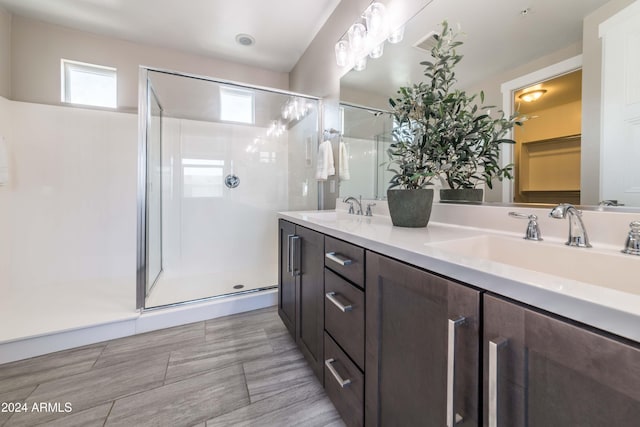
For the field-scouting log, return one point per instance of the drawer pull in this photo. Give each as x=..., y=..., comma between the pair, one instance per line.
x=338, y=258
x=453, y=418
x=495, y=348
x=329, y=364
x=331, y=296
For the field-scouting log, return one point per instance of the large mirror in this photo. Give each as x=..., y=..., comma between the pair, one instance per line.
x=504, y=42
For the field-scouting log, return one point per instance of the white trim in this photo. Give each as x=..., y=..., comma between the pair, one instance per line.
x=618, y=18
x=507, y=89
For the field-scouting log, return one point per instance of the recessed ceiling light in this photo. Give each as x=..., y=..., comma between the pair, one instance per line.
x=532, y=95
x=245, y=40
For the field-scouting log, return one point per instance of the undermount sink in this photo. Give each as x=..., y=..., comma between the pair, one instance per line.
x=610, y=270
x=321, y=216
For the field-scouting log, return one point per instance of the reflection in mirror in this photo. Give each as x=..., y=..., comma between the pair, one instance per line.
x=513, y=40
x=366, y=134
x=547, y=149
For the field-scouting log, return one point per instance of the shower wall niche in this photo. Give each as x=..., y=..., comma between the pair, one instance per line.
x=229, y=157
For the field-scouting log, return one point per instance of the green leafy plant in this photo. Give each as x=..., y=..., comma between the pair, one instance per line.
x=441, y=132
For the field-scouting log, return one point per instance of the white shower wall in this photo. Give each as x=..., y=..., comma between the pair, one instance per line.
x=67, y=221
x=362, y=168
x=216, y=237
x=5, y=196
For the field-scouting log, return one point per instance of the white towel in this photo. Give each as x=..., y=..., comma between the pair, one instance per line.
x=325, y=167
x=343, y=162
x=4, y=162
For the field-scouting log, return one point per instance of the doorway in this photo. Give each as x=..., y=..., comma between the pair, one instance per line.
x=546, y=155
x=547, y=149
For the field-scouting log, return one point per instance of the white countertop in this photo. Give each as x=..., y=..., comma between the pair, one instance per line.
x=608, y=309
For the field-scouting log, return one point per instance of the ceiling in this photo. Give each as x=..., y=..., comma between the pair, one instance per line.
x=283, y=29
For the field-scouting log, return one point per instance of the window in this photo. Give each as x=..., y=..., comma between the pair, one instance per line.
x=236, y=105
x=88, y=84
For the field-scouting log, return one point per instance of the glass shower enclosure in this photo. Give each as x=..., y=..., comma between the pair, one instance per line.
x=217, y=160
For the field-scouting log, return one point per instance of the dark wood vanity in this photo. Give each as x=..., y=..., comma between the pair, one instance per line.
x=395, y=344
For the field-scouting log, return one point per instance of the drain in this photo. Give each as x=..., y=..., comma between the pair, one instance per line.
x=238, y=287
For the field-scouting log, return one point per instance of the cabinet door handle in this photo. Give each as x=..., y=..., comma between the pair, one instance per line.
x=452, y=417
x=295, y=255
x=495, y=347
x=329, y=364
x=338, y=258
x=331, y=296
x=290, y=254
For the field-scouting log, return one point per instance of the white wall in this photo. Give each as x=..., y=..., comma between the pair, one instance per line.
x=38, y=47
x=69, y=215
x=5, y=53
x=6, y=195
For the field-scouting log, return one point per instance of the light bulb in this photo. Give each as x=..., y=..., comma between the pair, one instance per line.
x=361, y=63
x=377, y=51
x=376, y=19
x=357, y=38
x=342, y=53
x=397, y=35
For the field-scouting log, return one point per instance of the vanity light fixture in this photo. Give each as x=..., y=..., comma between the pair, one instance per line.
x=366, y=38
x=532, y=95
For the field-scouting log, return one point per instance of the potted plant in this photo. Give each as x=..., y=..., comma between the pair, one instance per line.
x=413, y=168
x=442, y=131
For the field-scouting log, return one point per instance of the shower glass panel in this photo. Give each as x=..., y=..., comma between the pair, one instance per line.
x=231, y=157
x=367, y=136
x=154, y=191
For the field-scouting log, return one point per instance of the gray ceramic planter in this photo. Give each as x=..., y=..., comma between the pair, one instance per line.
x=410, y=208
x=473, y=195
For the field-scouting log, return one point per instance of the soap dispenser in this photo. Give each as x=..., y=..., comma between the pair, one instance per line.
x=632, y=245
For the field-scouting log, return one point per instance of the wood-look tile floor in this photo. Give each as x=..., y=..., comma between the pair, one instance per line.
x=240, y=370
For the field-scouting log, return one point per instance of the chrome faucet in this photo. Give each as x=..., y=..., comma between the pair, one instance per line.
x=632, y=245
x=533, y=230
x=577, y=233
x=352, y=200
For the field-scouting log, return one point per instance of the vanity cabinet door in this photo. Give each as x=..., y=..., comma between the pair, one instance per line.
x=541, y=371
x=422, y=347
x=310, y=297
x=286, y=276
x=301, y=290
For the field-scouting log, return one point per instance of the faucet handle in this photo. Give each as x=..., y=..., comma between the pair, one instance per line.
x=351, y=207
x=533, y=230
x=368, y=212
x=632, y=245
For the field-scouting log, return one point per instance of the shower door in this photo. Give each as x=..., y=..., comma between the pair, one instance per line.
x=154, y=192
x=227, y=159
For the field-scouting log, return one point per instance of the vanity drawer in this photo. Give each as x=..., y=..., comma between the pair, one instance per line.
x=344, y=315
x=345, y=259
x=343, y=383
